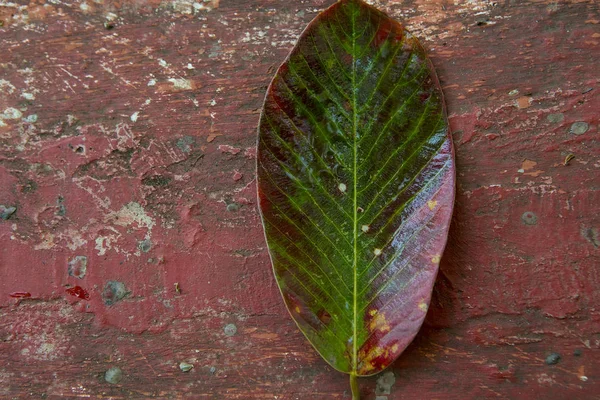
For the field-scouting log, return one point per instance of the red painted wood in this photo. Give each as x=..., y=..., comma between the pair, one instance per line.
x=129, y=155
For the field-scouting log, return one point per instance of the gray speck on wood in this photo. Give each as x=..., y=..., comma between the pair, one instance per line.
x=185, y=143
x=529, y=218
x=185, y=367
x=230, y=330
x=553, y=358
x=591, y=235
x=77, y=267
x=579, y=128
x=555, y=118
x=233, y=207
x=6, y=212
x=385, y=383
x=60, y=203
x=113, y=292
x=113, y=375
x=145, y=245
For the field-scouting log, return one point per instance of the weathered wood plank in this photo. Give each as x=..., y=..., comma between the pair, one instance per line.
x=127, y=136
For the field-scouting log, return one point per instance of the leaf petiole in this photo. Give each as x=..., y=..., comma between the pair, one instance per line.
x=354, y=387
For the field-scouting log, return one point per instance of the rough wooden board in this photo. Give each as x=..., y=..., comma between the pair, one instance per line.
x=167, y=196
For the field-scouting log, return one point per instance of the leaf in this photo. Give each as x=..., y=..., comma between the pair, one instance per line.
x=356, y=185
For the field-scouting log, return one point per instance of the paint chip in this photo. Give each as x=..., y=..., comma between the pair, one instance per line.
x=524, y=102
x=181, y=83
x=134, y=116
x=11, y=113
x=342, y=187
x=185, y=367
x=431, y=204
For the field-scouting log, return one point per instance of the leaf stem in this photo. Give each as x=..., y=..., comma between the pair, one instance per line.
x=354, y=387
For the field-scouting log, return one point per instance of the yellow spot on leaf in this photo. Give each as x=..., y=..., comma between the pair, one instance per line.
x=342, y=187
x=379, y=323
x=435, y=259
x=377, y=252
x=431, y=204
x=297, y=309
x=365, y=228
x=423, y=306
x=395, y=348
x=372, y=312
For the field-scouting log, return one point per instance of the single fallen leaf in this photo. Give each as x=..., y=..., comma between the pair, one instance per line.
x=356, y=185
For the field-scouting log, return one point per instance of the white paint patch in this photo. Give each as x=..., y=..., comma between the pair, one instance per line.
x=132, y=213
x=11, y=113
x=151, y=82
x=384, y=385
x=190, y=66
x=6, y=86
x=47, y=242
x=32, y=119
x=162, y=63
x=74, y=239
x=134, y=116
x=181, y=83
x=104, y=243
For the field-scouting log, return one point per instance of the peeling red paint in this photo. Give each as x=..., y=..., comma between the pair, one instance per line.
x=78, y=292
x=507, y=295
x=20, y=295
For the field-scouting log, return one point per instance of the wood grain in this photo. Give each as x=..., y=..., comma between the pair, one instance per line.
x=127, y=136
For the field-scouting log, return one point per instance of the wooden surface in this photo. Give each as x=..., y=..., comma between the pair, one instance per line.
x=127, y=143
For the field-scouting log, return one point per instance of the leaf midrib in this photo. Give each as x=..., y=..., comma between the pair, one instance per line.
x=355, y=205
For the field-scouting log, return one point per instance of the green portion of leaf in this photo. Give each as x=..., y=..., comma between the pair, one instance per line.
x=356, y=185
